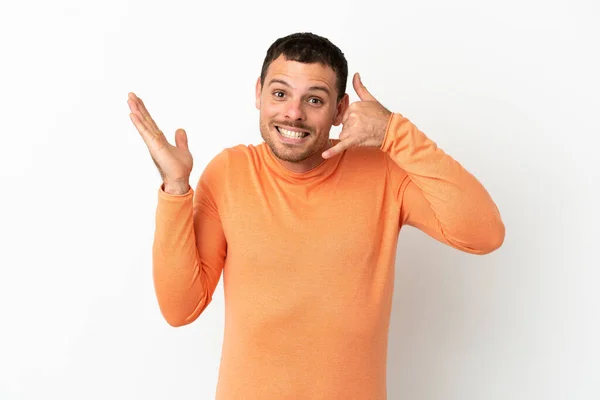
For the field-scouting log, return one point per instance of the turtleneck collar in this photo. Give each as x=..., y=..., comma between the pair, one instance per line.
x=321, y=171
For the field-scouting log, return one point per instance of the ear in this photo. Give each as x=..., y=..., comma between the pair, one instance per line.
x=258, y=92
x=341, y=109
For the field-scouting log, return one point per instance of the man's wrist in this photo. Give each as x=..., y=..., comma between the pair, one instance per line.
x=176, y=188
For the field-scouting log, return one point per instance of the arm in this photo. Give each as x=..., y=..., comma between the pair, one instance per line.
x=189, y=250
x=189, y=246
x=438, y=195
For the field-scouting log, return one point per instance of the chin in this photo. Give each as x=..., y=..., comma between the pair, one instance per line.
x=294, y=155
x=293, y=148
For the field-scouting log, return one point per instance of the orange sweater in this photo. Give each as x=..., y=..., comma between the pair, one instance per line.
x=308, y=258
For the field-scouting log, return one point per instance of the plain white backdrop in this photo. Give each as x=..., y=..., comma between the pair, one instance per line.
x=509, y=88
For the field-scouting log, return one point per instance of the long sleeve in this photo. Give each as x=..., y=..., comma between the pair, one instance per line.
x=189, y=250
x=438, y=195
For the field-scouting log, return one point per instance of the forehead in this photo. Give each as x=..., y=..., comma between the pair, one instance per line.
x=300, y=74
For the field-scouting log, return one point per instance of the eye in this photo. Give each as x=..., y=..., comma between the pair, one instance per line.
x=315, y=100
x=279, y=94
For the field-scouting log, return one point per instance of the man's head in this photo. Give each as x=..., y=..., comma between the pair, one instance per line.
x=301, y=88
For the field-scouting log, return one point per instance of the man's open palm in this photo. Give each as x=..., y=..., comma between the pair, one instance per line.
x=173, y=162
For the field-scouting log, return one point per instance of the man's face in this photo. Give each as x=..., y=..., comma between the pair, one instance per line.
x=298, y=105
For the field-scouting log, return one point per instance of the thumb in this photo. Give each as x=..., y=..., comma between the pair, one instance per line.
x=181, y=140
x=361, y=90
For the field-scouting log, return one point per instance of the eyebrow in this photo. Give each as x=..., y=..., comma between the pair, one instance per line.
x=321, y=88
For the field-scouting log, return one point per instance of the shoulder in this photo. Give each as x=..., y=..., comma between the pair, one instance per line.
x=364, y=156
x=372, y=160
x=231, y=160
x=239, y=153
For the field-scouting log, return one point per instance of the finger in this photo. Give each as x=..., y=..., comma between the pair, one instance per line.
x=143, y=111
x=149, y=135
x=181, y=140
x=344, y=133
x=147, y=116
x=337, y=149
x=361, y=90
x=134, y=103
x=134, y=107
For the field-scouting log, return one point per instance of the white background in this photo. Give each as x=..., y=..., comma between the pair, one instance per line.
x=509, y=88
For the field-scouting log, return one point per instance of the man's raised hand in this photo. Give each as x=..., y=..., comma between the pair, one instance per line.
x=364, y=122
x=174, y=163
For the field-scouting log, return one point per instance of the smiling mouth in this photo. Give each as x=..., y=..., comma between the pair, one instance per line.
x=291, y=134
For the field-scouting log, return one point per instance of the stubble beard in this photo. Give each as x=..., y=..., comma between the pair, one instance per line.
x=291, y=153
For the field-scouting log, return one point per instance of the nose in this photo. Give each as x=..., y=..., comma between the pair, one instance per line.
x=294, y=110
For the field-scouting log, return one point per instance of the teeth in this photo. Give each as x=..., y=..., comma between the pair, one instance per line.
x=291, y=134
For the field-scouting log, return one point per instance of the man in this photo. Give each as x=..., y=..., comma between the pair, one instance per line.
x=304, y=228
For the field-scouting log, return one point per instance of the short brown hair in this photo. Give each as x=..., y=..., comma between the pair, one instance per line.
x=308, y=48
